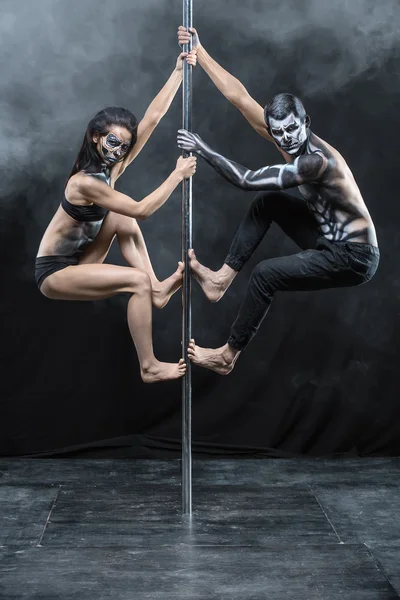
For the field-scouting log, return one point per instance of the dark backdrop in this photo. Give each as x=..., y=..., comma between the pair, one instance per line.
x=321, y=377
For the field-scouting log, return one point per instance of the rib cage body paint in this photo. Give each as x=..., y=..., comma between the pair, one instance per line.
x=80, y=236
x=332, y=205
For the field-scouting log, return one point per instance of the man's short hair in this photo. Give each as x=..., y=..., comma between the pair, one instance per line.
x=282, y=105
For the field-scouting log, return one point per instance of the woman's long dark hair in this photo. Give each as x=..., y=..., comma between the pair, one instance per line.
x=88, y=158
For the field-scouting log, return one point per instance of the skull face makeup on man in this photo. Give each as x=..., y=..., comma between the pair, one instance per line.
x=290, y=133
x=287, y=122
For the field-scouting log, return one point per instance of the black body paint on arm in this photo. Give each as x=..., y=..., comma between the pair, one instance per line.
x=276, y=177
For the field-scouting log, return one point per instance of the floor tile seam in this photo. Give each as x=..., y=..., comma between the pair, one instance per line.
x=107, y=484
x=186, y=539
x=30, y=484
x=181, y=545
x=49, y=515
x=174, y=487
x=303, y=459
x=138, y=549
x=380, y=566
x=356, y=483
x=326, y=515
x=196, y=485
x=346, y=485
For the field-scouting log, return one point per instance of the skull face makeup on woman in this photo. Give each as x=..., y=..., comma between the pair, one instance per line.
x=114, y=145
x=287, y=122
x=113, y=148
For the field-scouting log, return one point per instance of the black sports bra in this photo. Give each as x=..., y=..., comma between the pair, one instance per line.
x=88, y=213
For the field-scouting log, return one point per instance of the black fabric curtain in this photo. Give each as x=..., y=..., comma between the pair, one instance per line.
x=321, y=377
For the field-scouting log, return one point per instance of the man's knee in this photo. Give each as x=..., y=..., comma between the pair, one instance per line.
x=262, y=280
x=265, y=202
x=260, y=272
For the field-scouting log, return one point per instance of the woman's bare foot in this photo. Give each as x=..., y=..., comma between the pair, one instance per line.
x=221, y=360
x=160, y=371
x=212, y=283
x=168, y=287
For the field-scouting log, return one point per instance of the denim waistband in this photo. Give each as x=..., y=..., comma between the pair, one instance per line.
x=367, y=248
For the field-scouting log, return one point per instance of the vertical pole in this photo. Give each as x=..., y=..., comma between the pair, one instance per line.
x=186, y=291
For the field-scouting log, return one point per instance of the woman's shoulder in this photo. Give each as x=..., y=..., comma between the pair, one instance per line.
x=79, y=186
x=84, y=179
x=73, y=184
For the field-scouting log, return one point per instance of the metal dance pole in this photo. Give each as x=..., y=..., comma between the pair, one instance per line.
x=186, y=290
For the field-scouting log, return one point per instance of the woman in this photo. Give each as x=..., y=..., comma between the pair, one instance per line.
x=69, y=263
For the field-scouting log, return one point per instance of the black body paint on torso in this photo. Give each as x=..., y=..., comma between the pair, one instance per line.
x=87, y=221
x=331, y=206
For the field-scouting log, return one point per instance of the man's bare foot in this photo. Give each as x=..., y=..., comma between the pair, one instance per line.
x=221, y=360
x=212, y=284
x=160, y=371
x=168, y=287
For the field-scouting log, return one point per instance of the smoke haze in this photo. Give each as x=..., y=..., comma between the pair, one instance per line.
x=329, y=43
x=61, y=61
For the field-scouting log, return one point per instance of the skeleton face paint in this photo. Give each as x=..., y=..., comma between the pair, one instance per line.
x=289, y=133
x=113, y=149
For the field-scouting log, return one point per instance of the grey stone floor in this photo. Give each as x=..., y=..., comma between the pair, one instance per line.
x=261, y=529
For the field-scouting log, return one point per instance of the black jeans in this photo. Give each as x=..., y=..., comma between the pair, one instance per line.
x=321, y=264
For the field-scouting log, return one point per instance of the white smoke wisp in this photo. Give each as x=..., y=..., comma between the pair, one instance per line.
x=63, y=61
x=329, y=43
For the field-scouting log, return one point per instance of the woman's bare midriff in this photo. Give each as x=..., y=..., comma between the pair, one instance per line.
x=65, y=236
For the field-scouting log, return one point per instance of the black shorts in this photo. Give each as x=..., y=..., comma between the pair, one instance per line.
x=46, y=265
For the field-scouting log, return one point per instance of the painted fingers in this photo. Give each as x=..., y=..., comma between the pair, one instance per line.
x=188, y=141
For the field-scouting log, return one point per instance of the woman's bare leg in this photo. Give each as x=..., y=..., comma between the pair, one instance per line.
x=99, y=248
x=99, y=281
x=134, y=250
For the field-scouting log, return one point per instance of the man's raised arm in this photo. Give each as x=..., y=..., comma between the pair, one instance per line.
x=228, y=85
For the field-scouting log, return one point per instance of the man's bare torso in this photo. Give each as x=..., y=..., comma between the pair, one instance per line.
x=335, y=199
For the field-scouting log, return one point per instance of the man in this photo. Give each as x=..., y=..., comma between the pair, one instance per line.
x=332, y=225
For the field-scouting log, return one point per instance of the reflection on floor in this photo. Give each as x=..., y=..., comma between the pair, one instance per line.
x=261, y=529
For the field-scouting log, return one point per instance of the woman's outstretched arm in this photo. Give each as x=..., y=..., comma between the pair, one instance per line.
x=158, y=108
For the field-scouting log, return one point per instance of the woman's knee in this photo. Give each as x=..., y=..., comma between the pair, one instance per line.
x=140, y=281
x=48, y=289
x=126, y=225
